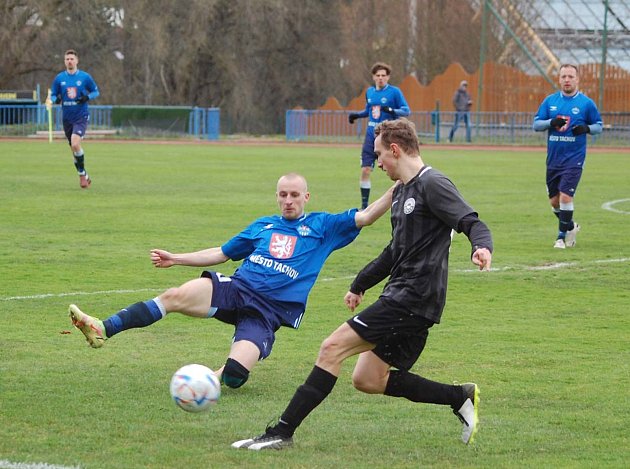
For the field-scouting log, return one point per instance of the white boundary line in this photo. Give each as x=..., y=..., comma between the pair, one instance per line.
x=512, y=268
x=4, y=464
x=609, y=206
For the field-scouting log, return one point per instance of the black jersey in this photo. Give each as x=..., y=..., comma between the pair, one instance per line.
x=424, y=213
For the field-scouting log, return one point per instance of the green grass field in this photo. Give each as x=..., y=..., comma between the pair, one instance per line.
x=545, y=335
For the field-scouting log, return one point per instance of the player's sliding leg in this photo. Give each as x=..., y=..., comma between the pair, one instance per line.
x=192, y=299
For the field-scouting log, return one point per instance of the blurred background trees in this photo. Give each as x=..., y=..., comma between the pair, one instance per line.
x=252, y=58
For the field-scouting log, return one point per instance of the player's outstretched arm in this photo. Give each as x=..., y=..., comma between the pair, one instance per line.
x=375, y=210
x=207, y=257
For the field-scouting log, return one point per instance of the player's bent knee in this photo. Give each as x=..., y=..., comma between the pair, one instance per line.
x=366, y=386
x=234, y=374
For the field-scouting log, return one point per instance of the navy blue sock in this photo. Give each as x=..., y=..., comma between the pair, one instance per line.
x=566, y=221
x=365, y=197
x=136, y=315
x=79, y=163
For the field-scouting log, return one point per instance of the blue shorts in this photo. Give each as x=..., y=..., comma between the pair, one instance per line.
x=563, y=180
x=368, y=157
x=253, y=317
x=78, y=128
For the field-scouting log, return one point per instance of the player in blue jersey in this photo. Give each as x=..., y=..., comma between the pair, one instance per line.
x=73, y=89
x=568, y=116
x=383, y=102
x=282, y=257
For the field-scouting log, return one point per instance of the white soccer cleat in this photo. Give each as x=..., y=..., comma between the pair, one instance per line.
x=569, y=239
x=271, y=439
x=559, y=244
x=468, y=413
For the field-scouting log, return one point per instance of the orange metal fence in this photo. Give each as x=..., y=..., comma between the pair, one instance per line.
x=505, y=89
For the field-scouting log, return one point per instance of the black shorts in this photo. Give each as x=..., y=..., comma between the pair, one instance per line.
x=399, y=336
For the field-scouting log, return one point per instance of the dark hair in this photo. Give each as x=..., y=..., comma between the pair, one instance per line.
x=71, y=52
x=381, y=66
x=401, y=132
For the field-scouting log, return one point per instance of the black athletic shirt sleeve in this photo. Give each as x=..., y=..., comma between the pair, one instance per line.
x=374, y=272
x=476, y=231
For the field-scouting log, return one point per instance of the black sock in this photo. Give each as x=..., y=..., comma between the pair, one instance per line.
x=419, y=389
x=566, y=221
x=308, y=396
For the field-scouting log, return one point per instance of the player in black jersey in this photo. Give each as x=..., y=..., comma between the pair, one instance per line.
x=391, y=333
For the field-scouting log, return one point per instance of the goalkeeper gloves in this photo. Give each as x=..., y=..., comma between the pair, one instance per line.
x=83, y=99
x=580, y=129
x=352, y=117
x=387, y=109
x=558, y=122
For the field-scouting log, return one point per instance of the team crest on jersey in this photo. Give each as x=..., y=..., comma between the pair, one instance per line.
x=282, y=246
x=409, y=205
x=575, y=110
x=566, y=126
x=304, y=230
x=71, y=92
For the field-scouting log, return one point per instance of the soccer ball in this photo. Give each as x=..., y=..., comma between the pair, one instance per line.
x=195, y=388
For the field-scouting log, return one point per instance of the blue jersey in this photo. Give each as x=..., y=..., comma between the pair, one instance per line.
x=71, y=87
x=387, y=96
x=564, y=150
x=284, y=257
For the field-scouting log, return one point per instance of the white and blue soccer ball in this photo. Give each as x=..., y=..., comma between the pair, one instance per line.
x=195, y=388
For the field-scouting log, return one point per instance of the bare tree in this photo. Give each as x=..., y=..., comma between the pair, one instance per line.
x=252, y=58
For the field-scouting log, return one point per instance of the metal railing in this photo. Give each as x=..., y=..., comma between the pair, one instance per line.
x=27, y=120
x=487, y=128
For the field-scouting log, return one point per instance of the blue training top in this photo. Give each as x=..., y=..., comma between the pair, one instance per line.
x=564, y=150
x=388, y=96
x=71, y=86
x=284, y=257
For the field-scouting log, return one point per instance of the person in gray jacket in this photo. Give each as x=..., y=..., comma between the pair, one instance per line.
x=462, y=102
